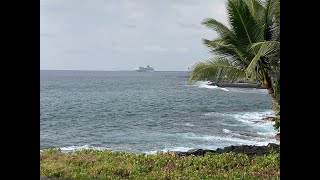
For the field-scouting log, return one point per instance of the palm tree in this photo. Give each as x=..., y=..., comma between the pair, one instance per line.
x=248, y=49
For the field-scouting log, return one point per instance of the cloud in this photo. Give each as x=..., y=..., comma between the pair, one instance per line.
x=136, y=14
x=120, y=49
x=189, y=26
x=73, y=31
x=46, y=35
x=155, y=48
x=182, y=50
x=76, y=51
x=130, y=25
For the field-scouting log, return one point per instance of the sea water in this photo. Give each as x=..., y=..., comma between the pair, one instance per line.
x=146, y=112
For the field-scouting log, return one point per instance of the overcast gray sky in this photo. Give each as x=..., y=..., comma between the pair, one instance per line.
x=125, y=34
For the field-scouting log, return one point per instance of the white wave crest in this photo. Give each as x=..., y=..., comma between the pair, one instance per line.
x=250, y=116
x=78, y=148
x=188, y=124
x=230, y=139
x=226, y=131
x=216, y=113
x=254, y=119
x=224, y=89
x=150, y=152
x=205, y=84
x=249, y=90
x=253, y=135
x=267, y=134
x=184, y=124
x=178, y=148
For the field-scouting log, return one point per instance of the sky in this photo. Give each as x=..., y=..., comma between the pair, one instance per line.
x=113, y=35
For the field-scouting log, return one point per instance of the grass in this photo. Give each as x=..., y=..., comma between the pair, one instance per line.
x=96, y=164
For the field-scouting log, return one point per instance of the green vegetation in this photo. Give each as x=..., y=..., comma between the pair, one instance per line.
x=248, y=50
x=95, y=164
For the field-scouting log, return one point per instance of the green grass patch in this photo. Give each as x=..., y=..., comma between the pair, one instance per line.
x=96, y=164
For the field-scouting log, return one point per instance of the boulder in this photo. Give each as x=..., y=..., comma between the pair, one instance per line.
x=195, y=152
x=268, y=118
x=273, y=146
x=249, y=150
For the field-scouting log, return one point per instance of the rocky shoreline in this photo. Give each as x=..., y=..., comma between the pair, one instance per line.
x=277, y=137
x=237, y=85
x=250, y=150
x=270, y=118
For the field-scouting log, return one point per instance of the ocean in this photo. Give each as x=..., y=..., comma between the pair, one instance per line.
x=146, y=112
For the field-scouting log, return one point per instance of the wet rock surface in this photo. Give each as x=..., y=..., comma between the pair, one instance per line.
x=249, y=150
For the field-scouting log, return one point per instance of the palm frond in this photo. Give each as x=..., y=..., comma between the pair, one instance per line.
x=213, y=24
x=213, y=43
x=265, y=48
x=272, y=10
x=244, y=25
x=219, y=47
x=215, y=69
x=256, y=8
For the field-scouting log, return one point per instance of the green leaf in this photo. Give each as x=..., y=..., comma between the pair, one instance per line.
x=264, y=49
x=216, y=68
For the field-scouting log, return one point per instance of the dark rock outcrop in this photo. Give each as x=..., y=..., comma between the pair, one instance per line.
x=278, y=137
x=240, y=85
x=195, y=152
x=268, y=118
x=249, y=150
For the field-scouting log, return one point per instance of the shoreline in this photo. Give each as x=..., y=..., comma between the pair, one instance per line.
x=237, y=85
x=191, y=150
x=250, y=150
x=244, y=149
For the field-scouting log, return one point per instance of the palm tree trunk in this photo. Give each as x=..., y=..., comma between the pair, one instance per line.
x=268, y=84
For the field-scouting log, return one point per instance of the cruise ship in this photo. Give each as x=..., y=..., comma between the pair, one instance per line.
x=145, y=69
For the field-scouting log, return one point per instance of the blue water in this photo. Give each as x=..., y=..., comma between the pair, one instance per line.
x=146, y=112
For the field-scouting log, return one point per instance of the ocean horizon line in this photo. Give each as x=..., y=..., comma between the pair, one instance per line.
x=109, y=70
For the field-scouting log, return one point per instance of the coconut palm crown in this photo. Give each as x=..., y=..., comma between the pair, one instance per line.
x=249, y=49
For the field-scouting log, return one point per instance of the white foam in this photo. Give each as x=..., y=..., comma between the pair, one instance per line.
x=224, y=89
x=184, y=124
x=205, y=84
x=78, y=148
x=233, y=125
x=232, y=140
x=188, y=124
x=216, y=113
x=249, y=90
x=226, y=131
x=208, y=86
x=150, y=152
x=267, y=134
x=177, y=149
x=252, y=117
x=257, y=136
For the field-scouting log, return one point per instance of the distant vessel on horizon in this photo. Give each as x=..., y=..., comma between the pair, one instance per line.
x=145, y=69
